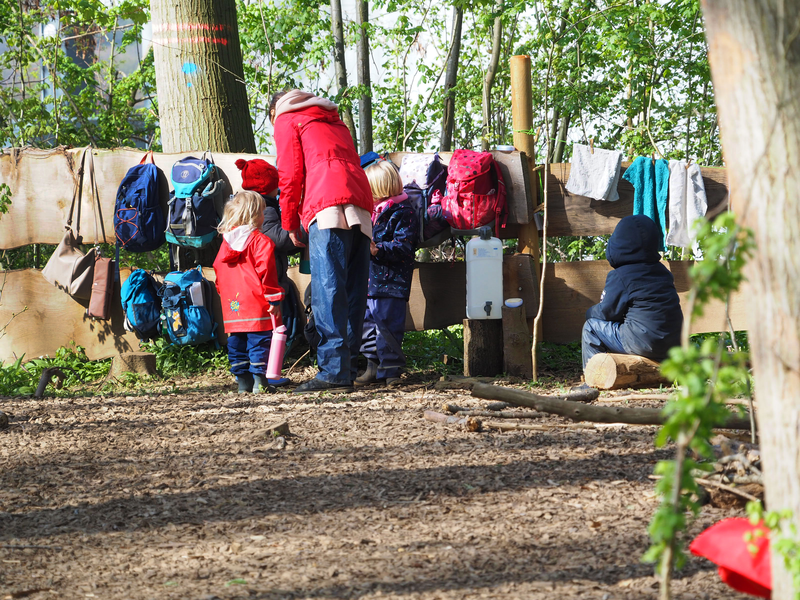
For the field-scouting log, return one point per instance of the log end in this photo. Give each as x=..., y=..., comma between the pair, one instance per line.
x=143, y=363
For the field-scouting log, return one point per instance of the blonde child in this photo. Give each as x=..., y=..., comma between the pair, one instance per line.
x=248, y=287
x=394, y=234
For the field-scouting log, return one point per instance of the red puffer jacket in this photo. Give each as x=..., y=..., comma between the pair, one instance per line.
x=247, y=282
x=318, y=166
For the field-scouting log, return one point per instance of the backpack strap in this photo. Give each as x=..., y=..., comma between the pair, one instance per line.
x=144, y=158
x=502, y=210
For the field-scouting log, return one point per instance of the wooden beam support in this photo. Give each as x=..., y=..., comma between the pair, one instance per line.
x=483, y=347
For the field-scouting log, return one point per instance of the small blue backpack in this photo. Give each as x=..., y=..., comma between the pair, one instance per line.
x=141, y=304
x=139, y=222
x=193, y=218
x=186, y=315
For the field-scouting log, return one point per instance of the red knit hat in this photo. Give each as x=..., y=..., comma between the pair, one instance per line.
x=258, y=175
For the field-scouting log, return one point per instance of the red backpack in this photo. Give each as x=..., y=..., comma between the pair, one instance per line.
x=476, y=192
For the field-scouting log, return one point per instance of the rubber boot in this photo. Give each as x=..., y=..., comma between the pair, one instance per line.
x=245, y=383
x=368, y=376
x=260, y=384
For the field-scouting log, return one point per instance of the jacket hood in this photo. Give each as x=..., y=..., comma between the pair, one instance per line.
x=237, y=240
x=295, y=100
x=636, y=239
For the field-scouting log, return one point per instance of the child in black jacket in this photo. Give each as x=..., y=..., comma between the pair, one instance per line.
x=639, y=311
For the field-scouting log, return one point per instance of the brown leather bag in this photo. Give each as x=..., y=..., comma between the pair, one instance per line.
x=69, y=269
x=102, y=287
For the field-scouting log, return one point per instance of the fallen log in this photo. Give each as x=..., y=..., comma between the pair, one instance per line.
x=615, y=371
x=468, y=423
x=561, y=405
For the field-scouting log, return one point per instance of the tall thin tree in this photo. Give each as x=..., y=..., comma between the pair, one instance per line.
x=337, y=24
x=364, y=79
x=450, y=79
x=202, y=99
x=491, y=72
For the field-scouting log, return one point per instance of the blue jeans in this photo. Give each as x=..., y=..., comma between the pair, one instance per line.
x=339, y=261
x=249, y=352
x=600, y=336
x=384, y=326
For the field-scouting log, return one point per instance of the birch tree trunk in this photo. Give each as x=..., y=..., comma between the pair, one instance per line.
x=488, y=80
x=450, y=79
x=364, y=79
x=202, y=99
x=340, y=66
x=754, y=52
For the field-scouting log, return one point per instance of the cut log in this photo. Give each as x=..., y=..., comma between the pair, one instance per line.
x=615, y=371
x=3, y=420
x=483, y=347
x=578, y=411
x=143, y=363
x=517, y=359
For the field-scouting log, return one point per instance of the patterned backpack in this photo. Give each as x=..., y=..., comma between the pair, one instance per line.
x=476, y=192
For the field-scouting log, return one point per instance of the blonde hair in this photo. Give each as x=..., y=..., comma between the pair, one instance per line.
x=384, y=180
x=245, y=208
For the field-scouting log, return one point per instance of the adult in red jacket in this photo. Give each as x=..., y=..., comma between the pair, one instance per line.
x=324, y=187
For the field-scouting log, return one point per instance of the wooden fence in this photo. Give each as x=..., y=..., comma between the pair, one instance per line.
x=42, y=184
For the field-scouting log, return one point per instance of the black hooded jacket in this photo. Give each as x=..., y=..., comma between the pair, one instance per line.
x=640, y=291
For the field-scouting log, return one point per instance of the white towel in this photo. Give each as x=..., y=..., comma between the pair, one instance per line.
x=595, y=175
x=687, y=202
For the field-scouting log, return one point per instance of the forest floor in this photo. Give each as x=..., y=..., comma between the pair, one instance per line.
x=177, y=492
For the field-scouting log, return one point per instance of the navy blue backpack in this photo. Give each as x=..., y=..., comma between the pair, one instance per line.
x=141, y=304
x=139, y=222
x=186, y=314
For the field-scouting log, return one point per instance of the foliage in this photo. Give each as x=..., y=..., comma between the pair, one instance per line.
x=181, y=360
x=424, y=349
x=783, y=538
x=65, y=86
x=707, y=374
x=17, y=379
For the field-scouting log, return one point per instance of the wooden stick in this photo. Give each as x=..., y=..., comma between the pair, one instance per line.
x=527, y=427
x=504, y=414
x=635, y=397
x=469, y=423
x=25, y=547
x=582, y=412
x=722, y=486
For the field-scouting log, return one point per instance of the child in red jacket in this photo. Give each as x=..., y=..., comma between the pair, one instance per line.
x=248, y=287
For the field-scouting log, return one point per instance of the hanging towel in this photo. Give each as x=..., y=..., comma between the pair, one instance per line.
x=687, y=202
x=595, y=175
x=650, y=189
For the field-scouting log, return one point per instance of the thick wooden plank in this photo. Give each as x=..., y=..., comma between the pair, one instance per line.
x=568, y=214
x=438, y=298
x=54, y=319
x=42, y=183
x=517, y=177
x=571, y=288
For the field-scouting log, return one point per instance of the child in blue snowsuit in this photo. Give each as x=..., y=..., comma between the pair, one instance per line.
x=639, y=311
x=394, y=234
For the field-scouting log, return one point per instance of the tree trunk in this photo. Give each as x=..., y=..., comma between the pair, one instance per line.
x=483, y=347
x=488, y=80
x=364, y=79
x=561, y=141
x=202, y=99
x=340, y=66
x=450, y=79
x=754, y=52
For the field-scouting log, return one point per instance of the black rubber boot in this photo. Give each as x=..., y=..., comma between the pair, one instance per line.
x=245, y=383
x=368, y=376
x=260, y=384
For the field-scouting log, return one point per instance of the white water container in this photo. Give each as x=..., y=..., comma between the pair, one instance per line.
x=485, y=276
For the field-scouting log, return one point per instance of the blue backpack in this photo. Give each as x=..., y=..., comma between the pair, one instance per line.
x=186, y=315
x=193, y=218
x=139, y=222
x=141, y=304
